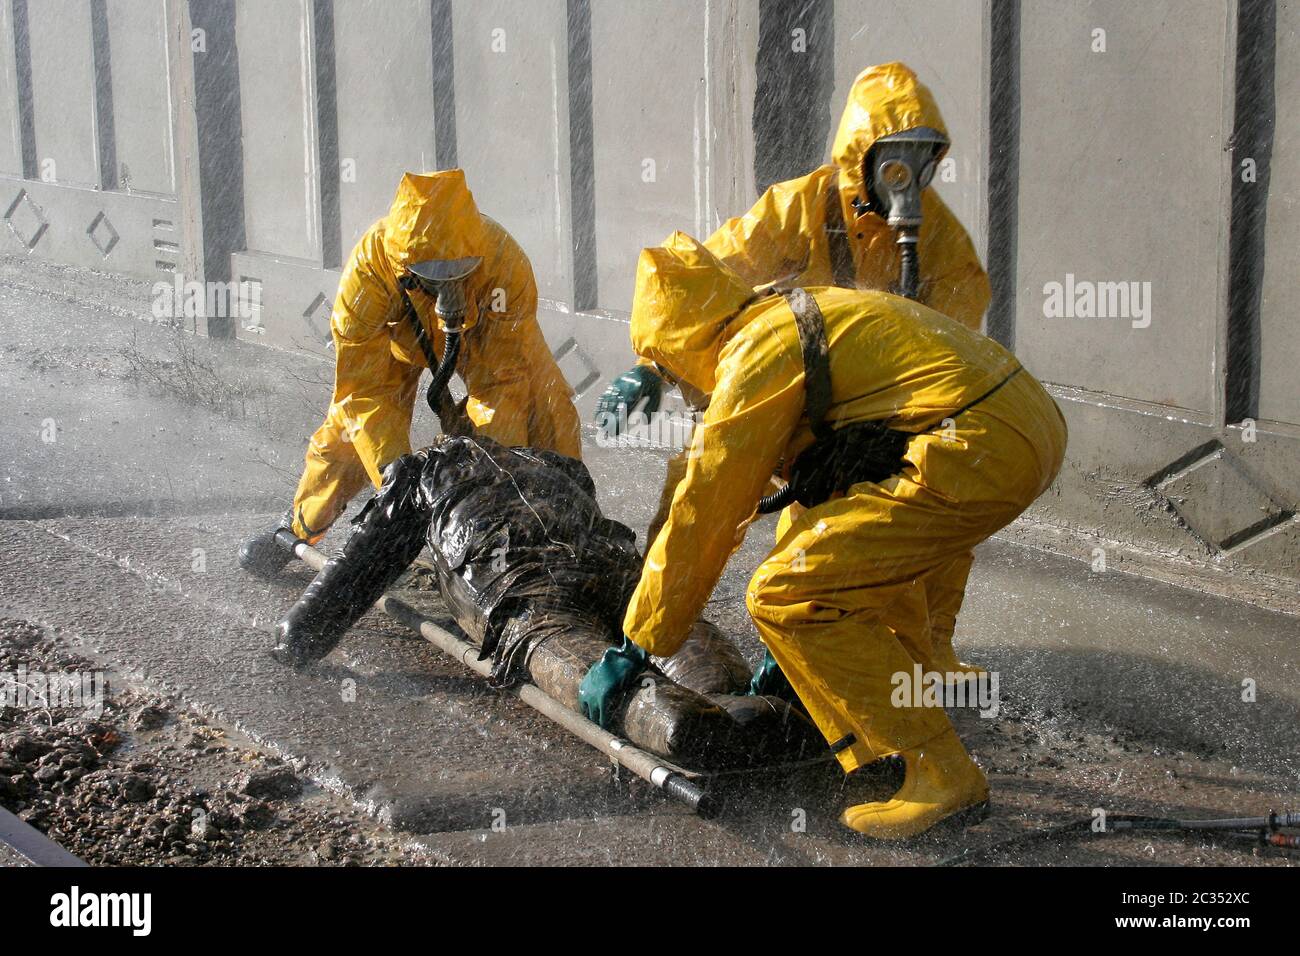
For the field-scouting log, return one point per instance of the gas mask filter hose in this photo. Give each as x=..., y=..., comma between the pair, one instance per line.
x=443, y=367
x=442, y=374
x=445, y=280
x=909, y=270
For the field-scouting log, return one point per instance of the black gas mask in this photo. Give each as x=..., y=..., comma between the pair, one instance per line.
x=897, y=169
x=447, y=282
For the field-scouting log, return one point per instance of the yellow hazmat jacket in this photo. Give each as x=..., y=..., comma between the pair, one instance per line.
x=517, y=394
x=891, y=360
x=784, y=233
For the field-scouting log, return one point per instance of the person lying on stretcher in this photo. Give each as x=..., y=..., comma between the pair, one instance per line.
x=539, y=579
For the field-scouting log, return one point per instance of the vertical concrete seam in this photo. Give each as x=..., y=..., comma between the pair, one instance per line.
x=582, y=164
x=327, y=134
x=1254, y=112
x=444, y=84
x=792, y=89
x=26, y=103
x=102, y=61
x=1003, y=152
x=184, y=158
x=218, y=110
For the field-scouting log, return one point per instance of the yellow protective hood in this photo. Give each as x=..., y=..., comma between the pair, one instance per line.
x=884, y=100
x=433, y=216
x=683, y=308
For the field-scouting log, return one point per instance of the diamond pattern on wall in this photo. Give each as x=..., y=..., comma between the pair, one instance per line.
x=26, y=220
x=590, y=374
x=317, y=319
x=102, y=234
x=1218, y=498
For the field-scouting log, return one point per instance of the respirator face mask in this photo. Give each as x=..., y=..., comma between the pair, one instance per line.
x=447, y=282
x=897, y=170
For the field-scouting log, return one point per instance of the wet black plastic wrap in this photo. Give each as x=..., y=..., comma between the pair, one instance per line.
x=387, y=536
x=539, y=579
x=521, y=546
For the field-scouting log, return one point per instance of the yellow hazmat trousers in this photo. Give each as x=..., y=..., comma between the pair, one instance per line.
x=850, y=594
x=517, y=394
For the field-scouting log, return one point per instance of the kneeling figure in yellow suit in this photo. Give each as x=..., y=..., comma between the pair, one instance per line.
x=385, y=334
x=842, y=601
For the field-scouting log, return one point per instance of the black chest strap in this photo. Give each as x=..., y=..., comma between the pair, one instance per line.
x=837, y=458
x=810, y=322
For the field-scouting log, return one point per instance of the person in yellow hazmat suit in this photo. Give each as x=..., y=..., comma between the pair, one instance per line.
x=835, y=226
x=385, y=334
x=832, y=226
x=909, y=439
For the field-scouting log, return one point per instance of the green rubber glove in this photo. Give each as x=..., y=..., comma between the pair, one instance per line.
x=616, y=671
x=641, y=383
x=770, y=681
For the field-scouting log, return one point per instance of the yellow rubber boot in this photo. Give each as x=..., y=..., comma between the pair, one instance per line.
x=941, y=781
x=945, y=589
x=953, y=670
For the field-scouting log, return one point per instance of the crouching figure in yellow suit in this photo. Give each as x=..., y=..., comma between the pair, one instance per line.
x=516, y=392
x=832, y=227
x=929, y=438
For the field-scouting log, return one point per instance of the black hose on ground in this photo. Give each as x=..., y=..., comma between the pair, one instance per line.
x=1262, y=830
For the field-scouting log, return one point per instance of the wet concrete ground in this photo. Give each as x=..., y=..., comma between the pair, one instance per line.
x=119, y=535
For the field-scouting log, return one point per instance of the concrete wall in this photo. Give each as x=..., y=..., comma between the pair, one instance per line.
x=63, y=90
x=1279, y=398
x=1094, y=141
x=142, y=123
x=512, y=126
x=281, y=169
x=74, y=124
x=1126, y=176
x=654, y=140
x=1102, y=121
x=384, y=52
